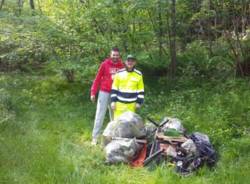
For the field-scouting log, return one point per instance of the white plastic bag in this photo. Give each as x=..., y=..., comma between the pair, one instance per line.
x=121, y=151
x=128, y=125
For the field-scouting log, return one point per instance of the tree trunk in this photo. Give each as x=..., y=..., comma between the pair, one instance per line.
x=32, y=5
x=172, y=34
x=237, y=58
x=210, y=32
x=160, y=31
x=70, y=75
x=1, y=5
x=20, y=6
x=39, y=6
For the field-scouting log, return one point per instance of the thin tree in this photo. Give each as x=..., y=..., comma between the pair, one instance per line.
x=20, y=6
x=32, y=4
x=172, y=39
x=160, y=30
x=1, y=5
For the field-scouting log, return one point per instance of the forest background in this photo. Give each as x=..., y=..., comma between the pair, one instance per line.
x=195, y=57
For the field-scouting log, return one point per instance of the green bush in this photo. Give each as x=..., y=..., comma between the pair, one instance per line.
x=197, y=60
x=7, y=112
x=194, y=60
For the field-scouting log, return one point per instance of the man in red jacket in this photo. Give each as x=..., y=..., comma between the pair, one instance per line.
x=103, y=83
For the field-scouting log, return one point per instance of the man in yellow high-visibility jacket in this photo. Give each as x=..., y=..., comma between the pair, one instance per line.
x=127, y=92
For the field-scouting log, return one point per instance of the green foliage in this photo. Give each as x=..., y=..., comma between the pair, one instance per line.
x=197, y=60
x=216, y=108
x=79, y=34
x=7, y=109
x=20, y=42
x=46, y=122
x=194, y=61
x=7, y=114
x=48, y=141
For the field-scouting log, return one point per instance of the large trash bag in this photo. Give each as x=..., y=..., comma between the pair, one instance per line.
x=200, y=138
x=205, y=148
x=196, y=156
x=189, y=147
x=122, y=151
x=119, y=138
x=128, y=125
x=173, y=123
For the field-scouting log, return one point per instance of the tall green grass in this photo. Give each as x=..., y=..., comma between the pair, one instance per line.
x=47, y=138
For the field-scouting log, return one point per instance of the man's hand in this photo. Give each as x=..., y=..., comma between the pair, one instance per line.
x=112, y=105
x=137, y=106
x=92, y=98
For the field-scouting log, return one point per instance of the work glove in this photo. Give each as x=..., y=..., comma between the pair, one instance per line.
x=112, y=105
x=138, y=106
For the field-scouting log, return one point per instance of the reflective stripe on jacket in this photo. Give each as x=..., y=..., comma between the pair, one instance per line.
x=128, y=87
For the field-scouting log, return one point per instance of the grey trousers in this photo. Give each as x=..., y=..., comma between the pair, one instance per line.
x=103, y=103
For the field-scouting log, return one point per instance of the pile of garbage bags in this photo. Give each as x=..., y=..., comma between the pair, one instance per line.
x=120, y=138
x=126, y=137
x=195, y=152
x=128, y=125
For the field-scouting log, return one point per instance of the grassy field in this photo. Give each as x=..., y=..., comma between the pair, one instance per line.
x=46, y=123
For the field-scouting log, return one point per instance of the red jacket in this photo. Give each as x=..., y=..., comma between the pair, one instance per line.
x=104, y=76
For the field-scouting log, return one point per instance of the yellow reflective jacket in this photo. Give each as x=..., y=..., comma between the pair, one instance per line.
x=128, y=87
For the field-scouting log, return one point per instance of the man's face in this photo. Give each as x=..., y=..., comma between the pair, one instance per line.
x=115, y=56
x=130, y=63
